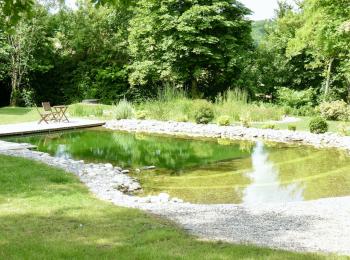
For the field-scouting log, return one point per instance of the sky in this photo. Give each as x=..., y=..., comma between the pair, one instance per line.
x=262, y=9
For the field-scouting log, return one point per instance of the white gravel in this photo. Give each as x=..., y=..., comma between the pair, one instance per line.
x=312, y=226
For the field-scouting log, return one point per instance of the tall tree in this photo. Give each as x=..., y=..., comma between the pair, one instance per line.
x=195, y=44
x=324, y=35
x=19, y=47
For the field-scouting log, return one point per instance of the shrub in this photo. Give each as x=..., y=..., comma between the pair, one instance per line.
x=292, y=127
x=318, y=125
x=81, y=110
x=296, y=99
x=245, y=121
x=123, y=110
x=141, y=114
x=181, y=118
x=28, y=97
x=269, y=126
x=204, y=113
x=224, y=120
x=335, y=110
x=343, y=129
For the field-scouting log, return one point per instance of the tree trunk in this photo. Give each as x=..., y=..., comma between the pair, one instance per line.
x=328, y=79
x=194, y=89
x=14, y=94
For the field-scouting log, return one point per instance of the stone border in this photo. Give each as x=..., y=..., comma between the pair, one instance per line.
x=104, y=180
x=327, y=140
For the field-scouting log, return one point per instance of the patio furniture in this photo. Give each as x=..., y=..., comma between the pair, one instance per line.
x=46, y=116
x=61, y=113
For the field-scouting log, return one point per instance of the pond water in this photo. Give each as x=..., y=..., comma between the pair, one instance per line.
x=211, y=170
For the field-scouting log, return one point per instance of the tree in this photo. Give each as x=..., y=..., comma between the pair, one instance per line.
x=12, y=10
x=19, y=48
x=195, y=44
x=324, y=36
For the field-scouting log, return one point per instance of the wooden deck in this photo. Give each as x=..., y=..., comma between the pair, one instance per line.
x=34, y=127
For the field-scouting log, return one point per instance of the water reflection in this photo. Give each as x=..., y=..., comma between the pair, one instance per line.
x=210, y=171
x=265, y=183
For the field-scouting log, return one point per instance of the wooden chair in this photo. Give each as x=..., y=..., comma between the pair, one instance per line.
x=47, y=115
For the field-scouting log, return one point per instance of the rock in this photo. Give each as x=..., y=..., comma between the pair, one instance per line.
x=148, y=167
x=125, y=171
x=176, y=200
x=108, y=166
x=163, y=197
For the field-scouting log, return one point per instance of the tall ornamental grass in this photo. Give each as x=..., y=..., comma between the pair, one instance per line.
x=123, y=110
x=236, y=105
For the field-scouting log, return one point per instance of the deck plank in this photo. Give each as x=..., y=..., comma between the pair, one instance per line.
x=34, y=127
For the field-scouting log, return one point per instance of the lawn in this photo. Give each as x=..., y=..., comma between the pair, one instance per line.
x=10, y=115
x=46, y=213
x=303, y=125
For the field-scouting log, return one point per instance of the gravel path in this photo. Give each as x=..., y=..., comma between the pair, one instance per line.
x=312, y=226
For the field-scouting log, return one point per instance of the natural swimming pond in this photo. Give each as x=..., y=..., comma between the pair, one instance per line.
x=211, y=170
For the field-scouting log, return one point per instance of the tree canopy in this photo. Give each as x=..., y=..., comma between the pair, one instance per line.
x=111, y=49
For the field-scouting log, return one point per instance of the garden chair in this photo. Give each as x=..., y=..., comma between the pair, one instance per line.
x=47, y=115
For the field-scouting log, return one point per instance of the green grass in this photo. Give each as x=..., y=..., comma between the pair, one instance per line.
x=11, y=115
x=46, y=213
x=177, y=109
x=303, y=125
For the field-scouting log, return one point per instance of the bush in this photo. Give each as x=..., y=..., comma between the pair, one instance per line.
x=292, y=127
x=296, y=99
x=318, y=125
x=245, y=121
x=204, y=113
x=224, y=121
x=343, y=129
x=181, y=118
x=269, y=126
x=335, y=110
x=124, y=110
x=141, y=114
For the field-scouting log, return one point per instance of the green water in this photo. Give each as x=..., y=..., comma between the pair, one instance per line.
x=210, y=171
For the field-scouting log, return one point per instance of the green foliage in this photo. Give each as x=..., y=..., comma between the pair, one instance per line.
x=294, y=98
x=194, y=45
x=335, y=110
x=343, y=129
x=259, y=30
x=141, y=114
x=123, y=110
x=292, y=127
x=224, y=120
x=318, y=125
x=234, y=103
x=246, y=121
x=12, y=10
x=324, y=35
x=204, y=113
x=269, y=126
x=27, y=96
x=86, y=110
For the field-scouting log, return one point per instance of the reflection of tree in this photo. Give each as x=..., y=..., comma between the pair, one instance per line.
x=265, y=184
x=137, y=149
x=324, y=173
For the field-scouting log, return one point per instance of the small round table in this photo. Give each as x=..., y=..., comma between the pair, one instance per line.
x=61, y=113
